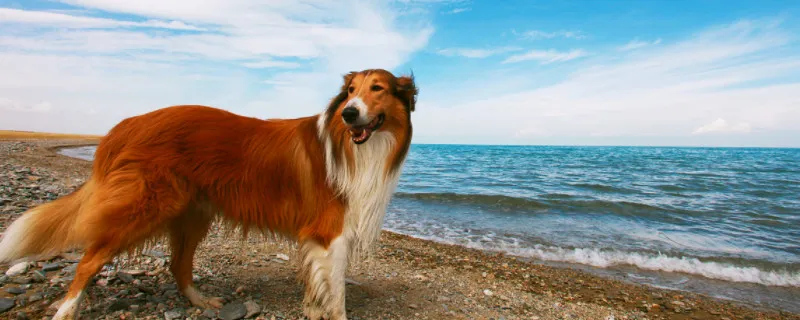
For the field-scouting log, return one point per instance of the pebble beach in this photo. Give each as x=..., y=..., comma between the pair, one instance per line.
x=407, y=278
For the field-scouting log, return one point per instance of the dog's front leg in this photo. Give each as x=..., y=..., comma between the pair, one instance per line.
x=323, y=272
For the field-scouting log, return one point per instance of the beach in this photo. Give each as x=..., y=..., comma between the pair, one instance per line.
x=407, y=278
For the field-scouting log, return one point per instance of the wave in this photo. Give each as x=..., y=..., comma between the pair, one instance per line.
x=655, y=262
x=562, y=202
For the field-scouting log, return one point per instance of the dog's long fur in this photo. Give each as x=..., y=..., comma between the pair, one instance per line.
x=172, y=171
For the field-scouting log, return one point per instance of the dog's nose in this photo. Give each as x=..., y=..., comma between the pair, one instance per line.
x=350, y=114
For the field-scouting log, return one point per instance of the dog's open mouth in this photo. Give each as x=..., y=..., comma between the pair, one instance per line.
x=362, y=133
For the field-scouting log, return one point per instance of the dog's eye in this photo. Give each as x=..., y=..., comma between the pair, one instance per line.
x=376, y=87
x=351, y=89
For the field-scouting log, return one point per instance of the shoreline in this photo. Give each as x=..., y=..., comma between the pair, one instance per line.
x=409, y=278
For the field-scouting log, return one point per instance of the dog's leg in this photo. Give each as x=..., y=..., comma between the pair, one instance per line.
x=323, y=271
x=186, y=233
x=90, y=264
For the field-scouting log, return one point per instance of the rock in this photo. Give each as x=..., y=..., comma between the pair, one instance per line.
x=442, y=299
x=282, y=256
x=3, y=280
x=155, y=254
x=51, y=266
x=35, y=297
x=125, y=277
x=173, y=314
x=117, y=306
x=15, y=290
x=70, y=269
x=240, y=289
x=6, y=304
x=22, y=316
x=413, y=306
x=232, y=311
x=208, y=313
x=39, y=276
x=134, y=272
x=18, y=269
x=488, y=292
x=252, y=309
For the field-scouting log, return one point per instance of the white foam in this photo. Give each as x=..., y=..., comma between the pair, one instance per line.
x=609, y=258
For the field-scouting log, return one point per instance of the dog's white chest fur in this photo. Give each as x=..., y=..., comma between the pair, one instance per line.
x=367, y=187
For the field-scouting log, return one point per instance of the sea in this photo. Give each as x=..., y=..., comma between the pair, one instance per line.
x=718, y=221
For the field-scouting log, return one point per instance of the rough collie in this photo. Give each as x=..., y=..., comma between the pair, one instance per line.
x=323, y=181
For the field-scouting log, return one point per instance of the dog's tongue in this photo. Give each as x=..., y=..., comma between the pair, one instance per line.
x=360, y=133
x=356, y=132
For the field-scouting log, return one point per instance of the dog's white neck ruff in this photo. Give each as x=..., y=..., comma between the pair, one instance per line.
x=367, y=190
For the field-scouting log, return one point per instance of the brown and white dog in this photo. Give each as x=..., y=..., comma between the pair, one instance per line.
x=323, y=181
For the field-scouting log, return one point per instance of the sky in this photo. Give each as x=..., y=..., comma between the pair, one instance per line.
x=680, y=73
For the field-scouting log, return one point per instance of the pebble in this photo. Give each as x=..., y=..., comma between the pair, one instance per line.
x=18, y=269
x=70, y=269
x=117, y=306
x=6, y=304
x=35, y=297
x=39, y=276
x=232, y=311
x=51, y=266
x=208, y=313
x=173, y=314
x=282, y=256
x=22, y=316
x=488, y=292
x=15, y=290
x=252, y=309
x=125, y=277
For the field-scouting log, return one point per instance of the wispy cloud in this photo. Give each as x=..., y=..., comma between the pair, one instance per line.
x=547, y=56
x=175, y=52
x=458, y=10
x=539, y=34
x=52, y=19
x=638, y=44
x=742, y=72
x=476, y=53
x=722, y=126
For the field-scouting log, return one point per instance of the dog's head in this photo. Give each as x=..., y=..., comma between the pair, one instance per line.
x=373, y=100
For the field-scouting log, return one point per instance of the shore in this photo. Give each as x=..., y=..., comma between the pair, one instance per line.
x=408, y=278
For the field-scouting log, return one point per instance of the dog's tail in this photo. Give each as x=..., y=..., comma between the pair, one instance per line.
x=46, y=229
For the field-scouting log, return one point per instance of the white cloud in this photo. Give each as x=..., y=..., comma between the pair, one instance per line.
x=271, y=64
x=475, y=53
x=50, y=19
x=98, y=70
x=722, y=126
x=638, y=44
x=539, y=34
x=458, y=10
x=10, y=105
x=742, y=72
x=547, y=56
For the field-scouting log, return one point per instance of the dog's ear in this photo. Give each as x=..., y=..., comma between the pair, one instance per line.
x=347, y=79
x=406, y=91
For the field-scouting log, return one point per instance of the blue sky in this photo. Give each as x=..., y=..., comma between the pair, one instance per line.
x=701, y=73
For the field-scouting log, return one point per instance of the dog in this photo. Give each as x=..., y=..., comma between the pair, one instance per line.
x=322, y=181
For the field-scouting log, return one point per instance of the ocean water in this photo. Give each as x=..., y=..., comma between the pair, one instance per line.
x=723, y=221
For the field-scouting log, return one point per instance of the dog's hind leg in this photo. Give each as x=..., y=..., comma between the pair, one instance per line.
x=186, y=233
x=120, y=215
x=94, y=259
